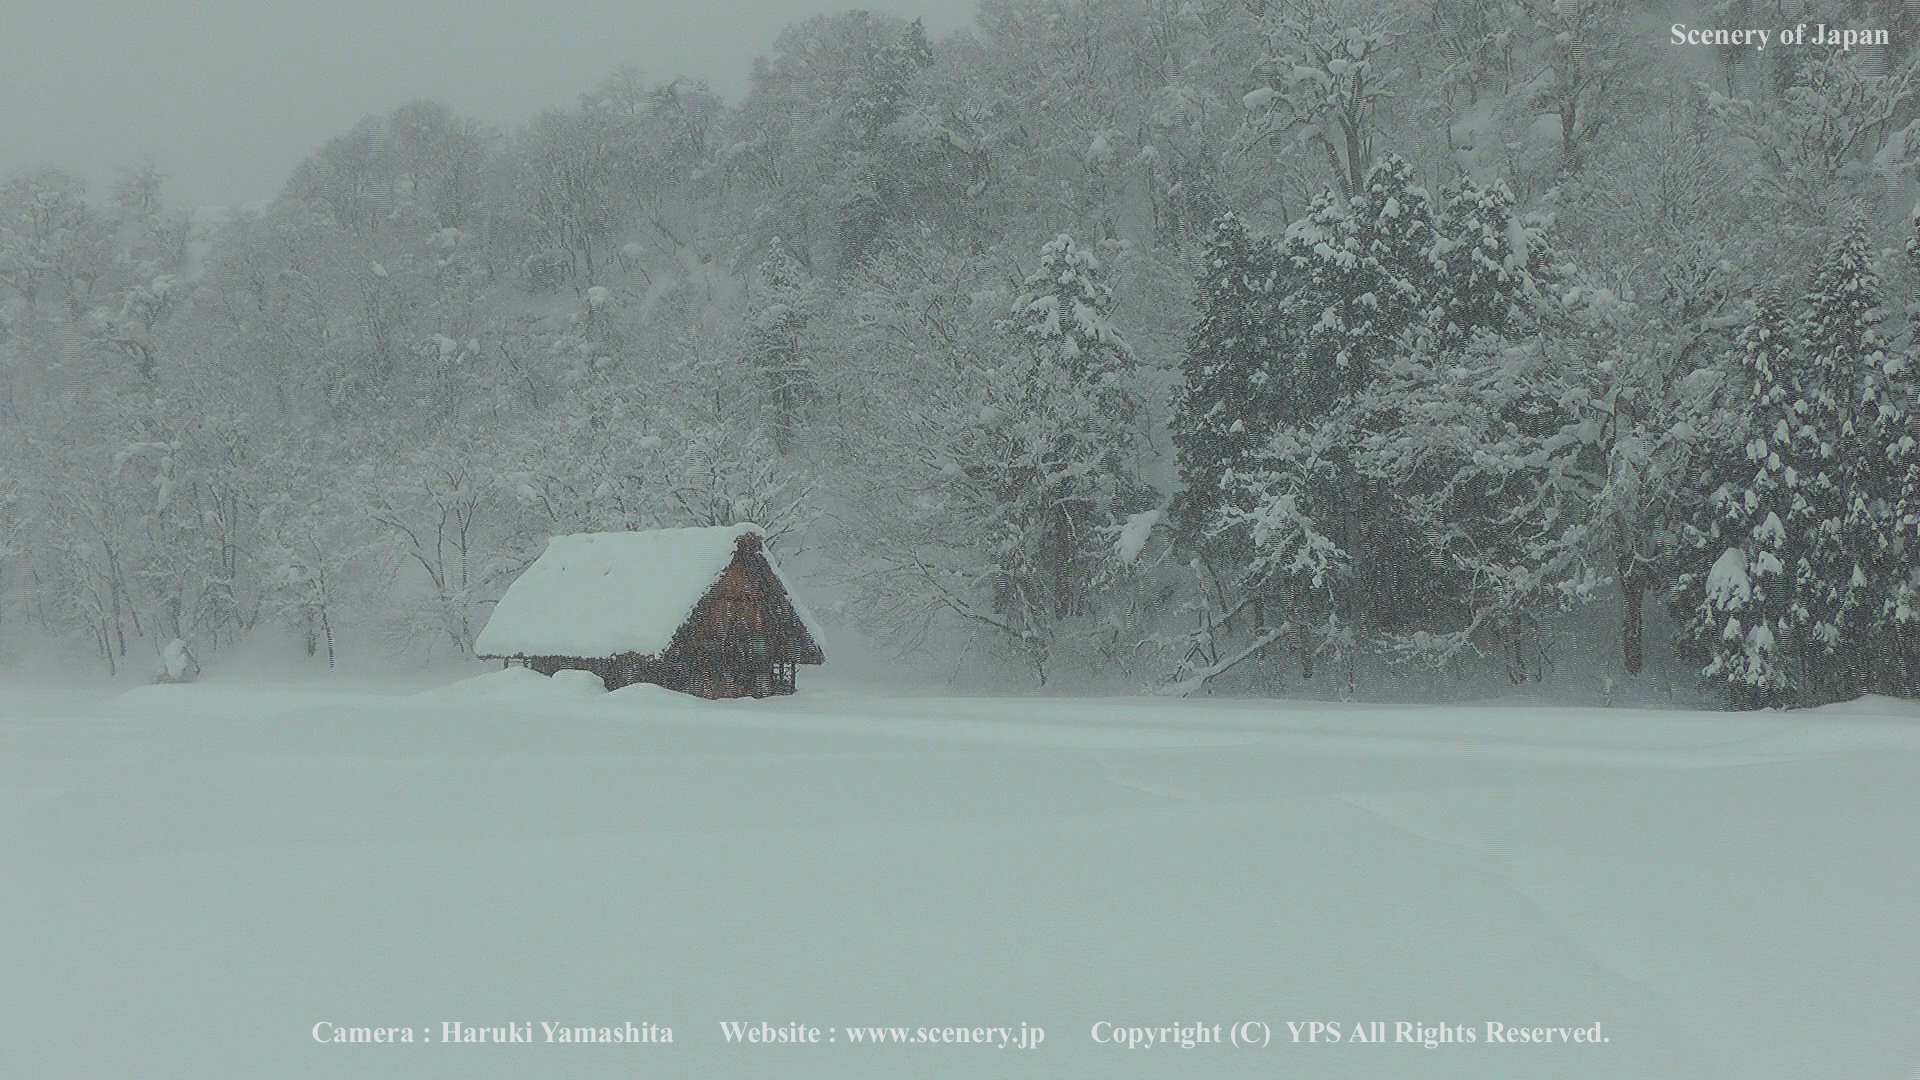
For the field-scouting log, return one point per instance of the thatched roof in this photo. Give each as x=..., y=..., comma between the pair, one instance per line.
x=604, y=594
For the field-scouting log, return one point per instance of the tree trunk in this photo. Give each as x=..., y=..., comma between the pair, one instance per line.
x=1632, y=628
x=1570, y=131
x=1356, y=158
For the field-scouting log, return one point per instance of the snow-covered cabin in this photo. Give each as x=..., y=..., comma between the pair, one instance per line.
x=701, y=611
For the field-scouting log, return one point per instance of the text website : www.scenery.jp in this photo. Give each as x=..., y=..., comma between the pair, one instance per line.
x=1023, y=1037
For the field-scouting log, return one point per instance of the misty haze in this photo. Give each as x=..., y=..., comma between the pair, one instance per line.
x=1038, y=538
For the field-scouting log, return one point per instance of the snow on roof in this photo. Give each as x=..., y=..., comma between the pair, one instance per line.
x=602, y=594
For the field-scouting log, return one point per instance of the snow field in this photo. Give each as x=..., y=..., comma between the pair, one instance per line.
x=198, y=874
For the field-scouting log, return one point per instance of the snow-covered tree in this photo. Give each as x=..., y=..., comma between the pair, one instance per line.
x=1008, y=445
x=1833, y=127
x=1406, y=427
x=1737, y=591
x=1311, y=351
x=1289, y=326
x=439, y=515
x=1322, y=79
x=1800, y=563
x=1494, y=264
x=785, y=302
x=1060, y=440
x=1232, y=355
x=1591, y=68
x=1860, y=404
x=566, y=184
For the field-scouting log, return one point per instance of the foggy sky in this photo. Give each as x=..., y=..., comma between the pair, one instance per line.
x=226, y=96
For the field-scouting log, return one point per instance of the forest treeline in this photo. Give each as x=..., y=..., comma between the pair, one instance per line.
x=1178, y=344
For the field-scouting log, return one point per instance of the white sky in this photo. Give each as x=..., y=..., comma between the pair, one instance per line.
x=226, y=96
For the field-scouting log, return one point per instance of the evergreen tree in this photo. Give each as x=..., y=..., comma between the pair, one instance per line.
x=1901, y=664
x=1794, y=596
x=1737, y=595
x=1288, y=328
x=1844, y=572
x=1066, y=312
x=1313, y=355
x=1491, y=265
x=1222, y=405
x=1883, y=478
x=1395, y=230
x=1056, y=444
x=1327, y=308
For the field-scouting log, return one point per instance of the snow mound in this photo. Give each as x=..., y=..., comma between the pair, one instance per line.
x=579, y=683
x=1869, y=705
x=652, y=694
x=513, y=684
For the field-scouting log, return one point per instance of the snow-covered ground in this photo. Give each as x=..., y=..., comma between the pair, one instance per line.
x=194, y=876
